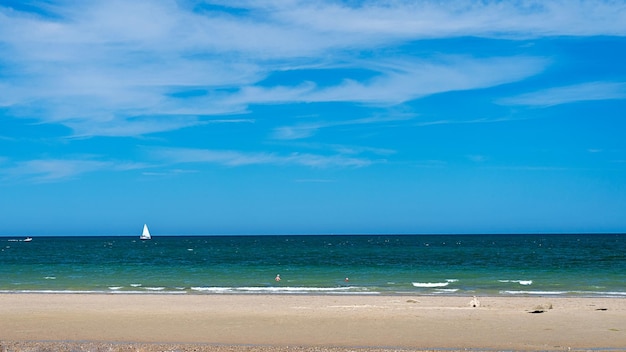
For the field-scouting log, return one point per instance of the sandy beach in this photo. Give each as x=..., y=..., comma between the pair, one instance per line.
x=120, y=322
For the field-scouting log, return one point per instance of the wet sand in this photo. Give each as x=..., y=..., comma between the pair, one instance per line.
x=126, y=322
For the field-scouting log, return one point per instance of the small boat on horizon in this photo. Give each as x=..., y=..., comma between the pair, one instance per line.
x=145, y=235
x=28, y=239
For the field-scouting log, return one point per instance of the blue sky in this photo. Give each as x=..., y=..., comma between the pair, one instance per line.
x=305, y=117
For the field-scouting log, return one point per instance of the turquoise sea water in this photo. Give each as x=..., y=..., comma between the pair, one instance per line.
x=570, y=265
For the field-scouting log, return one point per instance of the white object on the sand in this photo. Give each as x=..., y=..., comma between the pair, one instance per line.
x=474, y=302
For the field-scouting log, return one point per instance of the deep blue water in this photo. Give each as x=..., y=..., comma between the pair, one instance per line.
x=588, y=265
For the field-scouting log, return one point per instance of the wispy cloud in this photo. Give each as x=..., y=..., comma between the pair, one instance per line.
x=429, y=19
x=236, y=158
x=529, y=168
x=570, y=94
x=168, y=173
x=142, y=125
x=401, y=80
x=57, y=170
x=120, y=68
x=342, y=149
x=462, y=122
x=49, y=170
x=131, y=126
x=305, y=130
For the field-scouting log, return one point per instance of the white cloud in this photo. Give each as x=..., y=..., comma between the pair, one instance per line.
x=381, y=20
x=306, y=130
x=399, y=81
x=468, y=122
x=342, y=149
x=56, y=170
x=236, y=158
x=570, y=94
x=95, y=65
x=296, y=132
x=142, y=125
x=411, y=79
x=49, y=170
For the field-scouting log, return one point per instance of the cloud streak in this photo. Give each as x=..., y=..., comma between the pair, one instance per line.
x=383, y=20
x=62, y=169
x=52, y=170
x=306, y=130
x=236, y=158
x=570, y=94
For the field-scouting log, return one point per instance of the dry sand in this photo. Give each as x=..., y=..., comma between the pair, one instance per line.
x=119, y=322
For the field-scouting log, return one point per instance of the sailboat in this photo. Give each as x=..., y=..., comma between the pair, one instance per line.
x=145, y=235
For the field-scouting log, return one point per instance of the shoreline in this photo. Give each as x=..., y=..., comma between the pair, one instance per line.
x=298, y=291
x=246, y=322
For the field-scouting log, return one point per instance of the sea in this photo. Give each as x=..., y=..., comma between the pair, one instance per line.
x=496, y=265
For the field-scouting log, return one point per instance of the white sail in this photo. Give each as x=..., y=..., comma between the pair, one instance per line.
x=145, y=235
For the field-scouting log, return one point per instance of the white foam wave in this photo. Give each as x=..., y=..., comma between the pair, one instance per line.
x=600, y=293
x=447, y=290
x=114, y=288
x=50, y=277
x=430, y=284
x=611, y=293
x=148, y=293
x=294, y=289
x=49, y=291
x=154, y=288
x=534, y=292
x=213, y=289
x=259, y=289
x=135, y=285
x=521, y=282
x=93, y=292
